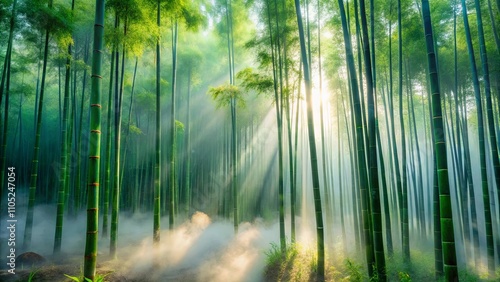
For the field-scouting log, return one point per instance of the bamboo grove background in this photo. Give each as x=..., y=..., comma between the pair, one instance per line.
x=379, y=122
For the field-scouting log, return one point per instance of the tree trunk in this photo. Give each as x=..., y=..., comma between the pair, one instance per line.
x=489, y=104
x=482, y=146
x=312, y=149
x=117, y=185
x=187, y=156
x=278, y=109
x=374, y=204
x=6, y=77
x=157, y=169
x=64, y=159
x=34, y=165
x=446, y=215
x=173, y=203
x=107, y=175
x=364, y=185
x=95, y=144
x=404, y=187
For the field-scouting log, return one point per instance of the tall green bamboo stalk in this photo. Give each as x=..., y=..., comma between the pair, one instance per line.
x=489, y=104
x=360, y=143
x=95, y=146
x=312, y=149
x=34, y=165
x=404, y=187
x=6, y=77
x=187, y=183
x=277, y=103
x=107, y=172
x=482, y=145
x=374, y=190
x=446, y=214
x=64, y=157
x=157, y=170
x=173, y=203
x=63, y=183
x=117, y=185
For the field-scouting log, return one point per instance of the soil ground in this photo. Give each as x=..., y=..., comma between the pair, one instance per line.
x=56, y=271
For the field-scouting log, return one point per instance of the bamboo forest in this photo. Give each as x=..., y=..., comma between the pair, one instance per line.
x=249, y=140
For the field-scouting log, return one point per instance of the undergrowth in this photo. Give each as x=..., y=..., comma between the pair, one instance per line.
x=98, y=278
x=291, y=265
x=82, y=278
x=299, y=264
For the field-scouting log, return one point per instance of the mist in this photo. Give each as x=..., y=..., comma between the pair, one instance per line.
x=199, y=249
x=249, y=140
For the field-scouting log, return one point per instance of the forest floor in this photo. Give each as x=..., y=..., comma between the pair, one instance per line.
x=298, y=265
x=111, y=271
x=197, y=250
x=202, y=250
x=302, y=267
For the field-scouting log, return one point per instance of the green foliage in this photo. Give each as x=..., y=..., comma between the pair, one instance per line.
x=192, y=16
x=32, y=274
x=80, y=65
x=313, y=264
x=81, y=278
x=64, y=40
x=223, y=94
x=179, y=126
x=98, y=278
x=5, y=11
x=23, y=89
x=467, y=276
x=135, y=130
x=145, y=101
x=74, y=278
x=293, y=265
x=141, y=28
x=57, y=19
x=112, y=36
x=242, y=29
x=125, y=9
x=185, y=11
x=354, y=271
x=421, y=267
x=265, y=58
x=374, y=277
x=189, y=57
x=480, y=274
x=273, y=255
x=404, y=276
x=299, y=265
x=251, y=80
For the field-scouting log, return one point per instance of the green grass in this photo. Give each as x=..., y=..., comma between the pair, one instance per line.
x=354, y=271
x=292, y=265
x=98, y=278
x=299, y=264
x=32, y=274
x=81, y=278
x=275, y=256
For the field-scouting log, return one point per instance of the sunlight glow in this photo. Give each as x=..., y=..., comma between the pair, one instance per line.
x=237, y=258
x=174, y=245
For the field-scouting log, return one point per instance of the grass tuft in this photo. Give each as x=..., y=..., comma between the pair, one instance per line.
x=404, y=276
x=32, y=274
x=354, y=271
x=292, y=265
